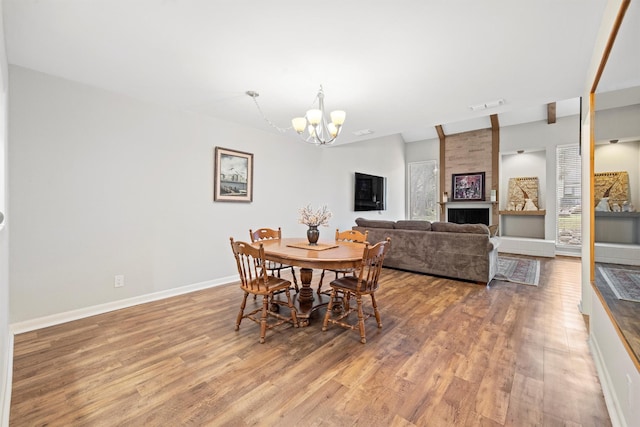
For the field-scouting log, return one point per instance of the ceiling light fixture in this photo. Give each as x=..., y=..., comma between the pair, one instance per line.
x=319, y=130
x=491, y=104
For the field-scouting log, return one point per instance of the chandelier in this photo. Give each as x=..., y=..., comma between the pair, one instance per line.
x=319, y=130
x=314, y=127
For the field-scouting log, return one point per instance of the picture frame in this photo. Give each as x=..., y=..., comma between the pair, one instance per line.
x=468, y=186
x=232, y=176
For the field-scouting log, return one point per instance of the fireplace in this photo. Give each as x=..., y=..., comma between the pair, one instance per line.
x=468, y=215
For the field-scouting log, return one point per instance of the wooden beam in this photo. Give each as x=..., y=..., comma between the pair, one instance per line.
x=442, y=137
x=495, y=125
x=495, y=165
x=551, y=113
x=612, y=38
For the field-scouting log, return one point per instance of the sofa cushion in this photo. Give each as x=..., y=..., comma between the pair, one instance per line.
x=413, y=225
x=493, y=230
x=452, y=227
x=374, y=223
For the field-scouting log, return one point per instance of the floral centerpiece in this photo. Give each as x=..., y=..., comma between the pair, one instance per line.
x=313, y=219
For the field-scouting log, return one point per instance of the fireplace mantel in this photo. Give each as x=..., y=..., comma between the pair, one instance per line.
x=470, y=204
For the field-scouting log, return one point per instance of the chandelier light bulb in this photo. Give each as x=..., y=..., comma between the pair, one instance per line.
x=337, y=117
x=299, y=124
x=333, y=130
x=314, y=116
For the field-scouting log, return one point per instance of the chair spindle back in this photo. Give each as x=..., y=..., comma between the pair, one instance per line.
x=351, y=236
x=371, y=267
x=264, y=234
x=249, y=260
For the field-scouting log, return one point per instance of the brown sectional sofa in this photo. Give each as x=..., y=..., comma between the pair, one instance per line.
x=460, y=251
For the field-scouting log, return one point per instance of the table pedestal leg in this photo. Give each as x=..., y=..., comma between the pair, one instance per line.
x=306, y=302
x=306, y=293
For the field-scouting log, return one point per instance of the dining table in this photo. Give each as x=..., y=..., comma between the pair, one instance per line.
x=322, y=255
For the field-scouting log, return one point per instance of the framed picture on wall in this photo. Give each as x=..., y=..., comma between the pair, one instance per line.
x=232, y=176
x=467, y=186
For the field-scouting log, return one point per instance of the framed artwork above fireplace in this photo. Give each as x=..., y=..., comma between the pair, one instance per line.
x=467, y=186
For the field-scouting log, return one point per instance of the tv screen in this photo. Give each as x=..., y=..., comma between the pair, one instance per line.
x=369, y=194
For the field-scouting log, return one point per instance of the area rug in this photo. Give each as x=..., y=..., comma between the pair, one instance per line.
x=518, y=270
x=625, y=284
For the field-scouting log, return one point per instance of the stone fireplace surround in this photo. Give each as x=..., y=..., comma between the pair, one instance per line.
x=470, y=152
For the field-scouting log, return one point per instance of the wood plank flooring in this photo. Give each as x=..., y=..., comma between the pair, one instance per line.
x=449, y=353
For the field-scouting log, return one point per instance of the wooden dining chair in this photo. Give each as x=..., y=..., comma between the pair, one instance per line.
x=345, y=236
x=366, y=282
x=273, y=267
x=256, y=280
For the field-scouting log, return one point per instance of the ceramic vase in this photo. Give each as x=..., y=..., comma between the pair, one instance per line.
x=313, y=234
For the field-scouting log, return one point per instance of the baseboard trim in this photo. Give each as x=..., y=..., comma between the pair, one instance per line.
x=57, y=319
x=617, y=253
x=5, y=404
x=613, y=406
x=527, y=246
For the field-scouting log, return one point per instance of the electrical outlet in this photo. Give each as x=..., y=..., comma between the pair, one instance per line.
x=118, y=281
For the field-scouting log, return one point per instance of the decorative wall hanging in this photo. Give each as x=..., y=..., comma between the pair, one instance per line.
x=611, y=185
x=233, y=176
x=523, y=194
x=467, y=186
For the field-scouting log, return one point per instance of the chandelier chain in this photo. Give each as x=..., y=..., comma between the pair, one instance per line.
x=264, y=117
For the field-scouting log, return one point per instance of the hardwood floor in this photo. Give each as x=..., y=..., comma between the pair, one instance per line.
x=449, y=353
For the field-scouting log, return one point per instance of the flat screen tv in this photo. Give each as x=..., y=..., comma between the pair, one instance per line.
x=370, y=193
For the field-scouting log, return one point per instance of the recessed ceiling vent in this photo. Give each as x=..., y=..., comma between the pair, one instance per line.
x=491, y=104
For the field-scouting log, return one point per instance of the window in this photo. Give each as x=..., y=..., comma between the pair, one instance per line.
x=423, y=190
x=568, y=194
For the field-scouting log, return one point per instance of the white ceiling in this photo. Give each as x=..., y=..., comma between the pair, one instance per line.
x=395, y=67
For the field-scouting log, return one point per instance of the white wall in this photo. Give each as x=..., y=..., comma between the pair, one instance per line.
x=542, y=138
x=5, y=336
x=101, y=184
x=419, y=151
x=617, y=123
x=380, y=156
x=528, y=164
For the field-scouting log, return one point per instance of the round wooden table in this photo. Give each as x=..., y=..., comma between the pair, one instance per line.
x=326, y=255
